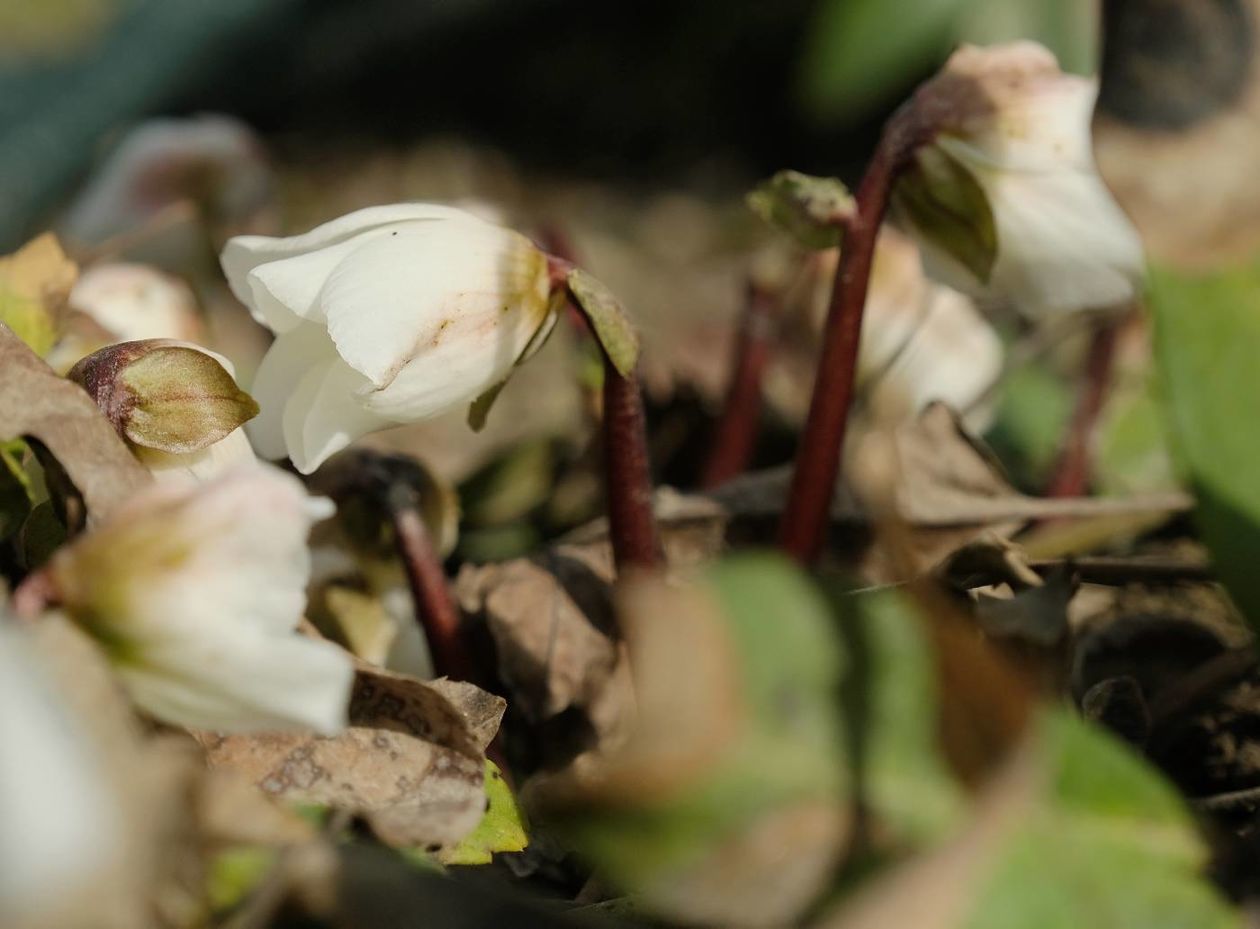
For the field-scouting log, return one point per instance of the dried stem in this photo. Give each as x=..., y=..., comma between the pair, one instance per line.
x=435, y=609
x=804, y=521
x=628, y=474
x=1071, y=474
x=741, y=414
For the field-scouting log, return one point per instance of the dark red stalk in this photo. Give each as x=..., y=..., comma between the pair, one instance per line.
x=628, y=475
x=435, y=609
x=736, y=431
x=1071, y=474
x=802, y=528
x=627, y=465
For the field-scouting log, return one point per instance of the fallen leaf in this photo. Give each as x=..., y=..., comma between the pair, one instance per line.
x=502, y=828
x=411, y=761
x=36, y=403
x=35, y=283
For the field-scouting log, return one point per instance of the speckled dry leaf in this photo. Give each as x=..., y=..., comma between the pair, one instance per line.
x=552, y=627
x=36, y=402
x=411, y=760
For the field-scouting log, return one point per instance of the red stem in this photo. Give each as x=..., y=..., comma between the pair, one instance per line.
x=435, y=609
x=737, y=428
x=628, y=474
x=802, y=527
x=1072, y=470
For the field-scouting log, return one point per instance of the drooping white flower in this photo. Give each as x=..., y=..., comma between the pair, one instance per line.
x=1006, y=200
x=387, y=315
x=61, y=825
x=195, y=593
x=921, y=341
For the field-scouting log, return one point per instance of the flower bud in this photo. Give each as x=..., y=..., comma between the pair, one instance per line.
x=1006, y=199
x=195, y=594
x=176, y=404
x=391, y=314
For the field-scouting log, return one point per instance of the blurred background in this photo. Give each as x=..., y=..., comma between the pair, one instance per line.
x=703, y=94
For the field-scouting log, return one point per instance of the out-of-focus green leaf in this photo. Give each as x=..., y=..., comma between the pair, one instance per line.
x=1132, y=454
x=1107, y=843
x=861, y=50
x=16, y=490
x=1069, y=28
x=944, y=202
x=1207, y=329
x=502, y=828
x=511, y=486
x=234, y=872
x=736, y=760
x=908, y=785
x=1032, y=415
x=811, y=210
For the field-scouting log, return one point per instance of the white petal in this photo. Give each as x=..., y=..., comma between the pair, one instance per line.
x=287, y=361
x=135, y=301
x=1063, y=243
x=953, y=355
x=198, y=467
x=434, y=321
x=234, y=680
x=60, y=824
x=243, y=253
x=325, y=414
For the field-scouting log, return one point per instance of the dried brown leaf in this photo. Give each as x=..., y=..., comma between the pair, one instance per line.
x=35, y=402
x=411, y=760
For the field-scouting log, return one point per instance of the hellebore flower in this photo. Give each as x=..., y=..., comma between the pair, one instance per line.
x=1006, y=199
x=921, y=341
x=61, y=825
x=175, y=404
x=388, y=315
x=195, y=594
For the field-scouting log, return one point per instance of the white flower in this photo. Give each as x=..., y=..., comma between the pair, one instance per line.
x=231, y=451
x=61, y=826
x=136, y=301
x=195, y=593
x=921, y=341
x=1019, y=128
x=391, y=314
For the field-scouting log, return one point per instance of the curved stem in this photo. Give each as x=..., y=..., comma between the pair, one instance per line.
x=435, y=608
x=35, y=594
x=803, y=525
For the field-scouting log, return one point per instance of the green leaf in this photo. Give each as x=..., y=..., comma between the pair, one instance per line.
x=502, y=828
x=1107, y=843
x=236, y=871
x=945, y=203
x=1033, y=412
x=812, y=210
x=1132, y=454
x=34, y=284
x=479, y=409
x=608, y=320
x=1207, y=329
x=17, y=493
x=862, y=50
